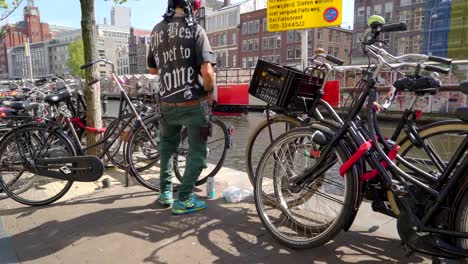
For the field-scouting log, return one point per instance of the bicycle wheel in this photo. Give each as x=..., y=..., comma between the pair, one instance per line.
x=34, y=143
x=217, y=145
x=443, y=138
x=142, y=156
x=460, y=222
x=116, y=152
x=260, y=140
x=313, y=214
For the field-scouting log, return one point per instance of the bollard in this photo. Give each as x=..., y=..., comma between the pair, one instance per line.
x=106, y=183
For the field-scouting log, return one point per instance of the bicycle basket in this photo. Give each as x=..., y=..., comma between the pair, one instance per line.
x=277, y=85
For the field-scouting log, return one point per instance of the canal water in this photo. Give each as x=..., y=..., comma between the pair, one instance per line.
x=245, y=125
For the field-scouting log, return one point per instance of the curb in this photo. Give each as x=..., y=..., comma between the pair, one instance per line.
x=7, y=252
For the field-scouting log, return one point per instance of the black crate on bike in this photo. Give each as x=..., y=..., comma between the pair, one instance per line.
x=276, y=84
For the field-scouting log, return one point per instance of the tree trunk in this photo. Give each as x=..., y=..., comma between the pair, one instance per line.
x=92, y=93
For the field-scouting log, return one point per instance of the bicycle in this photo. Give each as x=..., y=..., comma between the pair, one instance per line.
x=51, y=158
x=143, y=160
x=431, y=207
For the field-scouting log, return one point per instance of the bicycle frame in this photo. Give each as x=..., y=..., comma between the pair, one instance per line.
x=125, y=103
x=396, y=176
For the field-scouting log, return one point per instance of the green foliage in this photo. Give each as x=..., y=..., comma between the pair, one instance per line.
x=76, y=59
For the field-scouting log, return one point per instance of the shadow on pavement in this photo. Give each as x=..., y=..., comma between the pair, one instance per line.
x=223, y=233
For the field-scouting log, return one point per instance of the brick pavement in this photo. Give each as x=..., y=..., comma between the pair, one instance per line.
x=125, y=225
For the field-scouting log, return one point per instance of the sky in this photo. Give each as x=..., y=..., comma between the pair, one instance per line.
x=145, y=13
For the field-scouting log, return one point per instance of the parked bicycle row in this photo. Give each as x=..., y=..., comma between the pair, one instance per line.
x=44, y=149
x=318, y=166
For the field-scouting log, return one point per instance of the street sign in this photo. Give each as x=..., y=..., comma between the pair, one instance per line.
x=285, y=15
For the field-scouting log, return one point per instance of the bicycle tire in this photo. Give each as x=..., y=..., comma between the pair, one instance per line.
x=250, y=166
x=435, y=132
x=149, y=154
x=41, y=130
x=320, y=234
x=179, y=158
x=427, y=132
x=116, y=153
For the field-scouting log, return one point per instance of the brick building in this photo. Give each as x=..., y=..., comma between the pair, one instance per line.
x=396, y=11
x=16, y=34
x=255, y=42
x=138, y=47
x=223, y=27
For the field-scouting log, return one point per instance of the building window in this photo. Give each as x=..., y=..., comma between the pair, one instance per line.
x=418, y=20
x=319, y=34
x=250, y=63
x=264, y=43
x=234, y=61
x=330, y=36
x=251, y=27
x=234, y=38
x=225, y=39
x=264, y=26
x=388, y=11
x=244, y=29
x=265, y=58
x=298, y=52
x=251, y=45
x=257, y=44
x=290, y=36
x=403, y=46
x=244, y=45
x=271, y=58
x=256, y=26
x=290, y=53
x=271, y=42
x=377, y=9
x=298, y=36
x=278, y=42
x=337, y=37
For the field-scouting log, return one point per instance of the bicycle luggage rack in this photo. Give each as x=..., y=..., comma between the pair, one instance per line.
x=278, y=85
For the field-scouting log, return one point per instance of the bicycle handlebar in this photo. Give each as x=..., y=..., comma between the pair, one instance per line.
x=440, y=60
x=393, y=27
x=106, y=61
x=334, y=59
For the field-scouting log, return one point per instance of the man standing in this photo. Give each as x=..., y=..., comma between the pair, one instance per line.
x=182, y=56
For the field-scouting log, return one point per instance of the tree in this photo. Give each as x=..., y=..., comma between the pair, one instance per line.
x=92, y=93
x=5, y=11
x=76, y=59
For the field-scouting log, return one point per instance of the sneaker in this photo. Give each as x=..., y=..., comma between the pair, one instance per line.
x=191, y=205
x=165, y=198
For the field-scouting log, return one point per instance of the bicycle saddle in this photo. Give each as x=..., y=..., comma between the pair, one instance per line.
x=57, y=98
x=419, y=85
x=24, y=106
x=462, y=113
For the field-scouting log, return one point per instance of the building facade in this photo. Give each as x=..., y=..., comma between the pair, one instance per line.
x=436, y=28
x=122, y=63
x=458, y=36
x=59, y=52
x=285, y=47
x=110, y=39
x=428, y=24
x=16, y=34
x=223, y=27
x=138, y=47
x=19, y=65
x=121, y=16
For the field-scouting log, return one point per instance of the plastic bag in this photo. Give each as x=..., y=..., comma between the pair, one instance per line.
x=234, y=194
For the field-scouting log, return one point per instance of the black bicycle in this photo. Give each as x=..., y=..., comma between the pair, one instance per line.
x=303, y=201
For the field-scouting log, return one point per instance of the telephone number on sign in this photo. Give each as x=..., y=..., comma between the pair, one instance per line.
x=287, y=25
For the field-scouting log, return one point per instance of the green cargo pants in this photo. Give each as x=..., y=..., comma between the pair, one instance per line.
x=173, y=119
